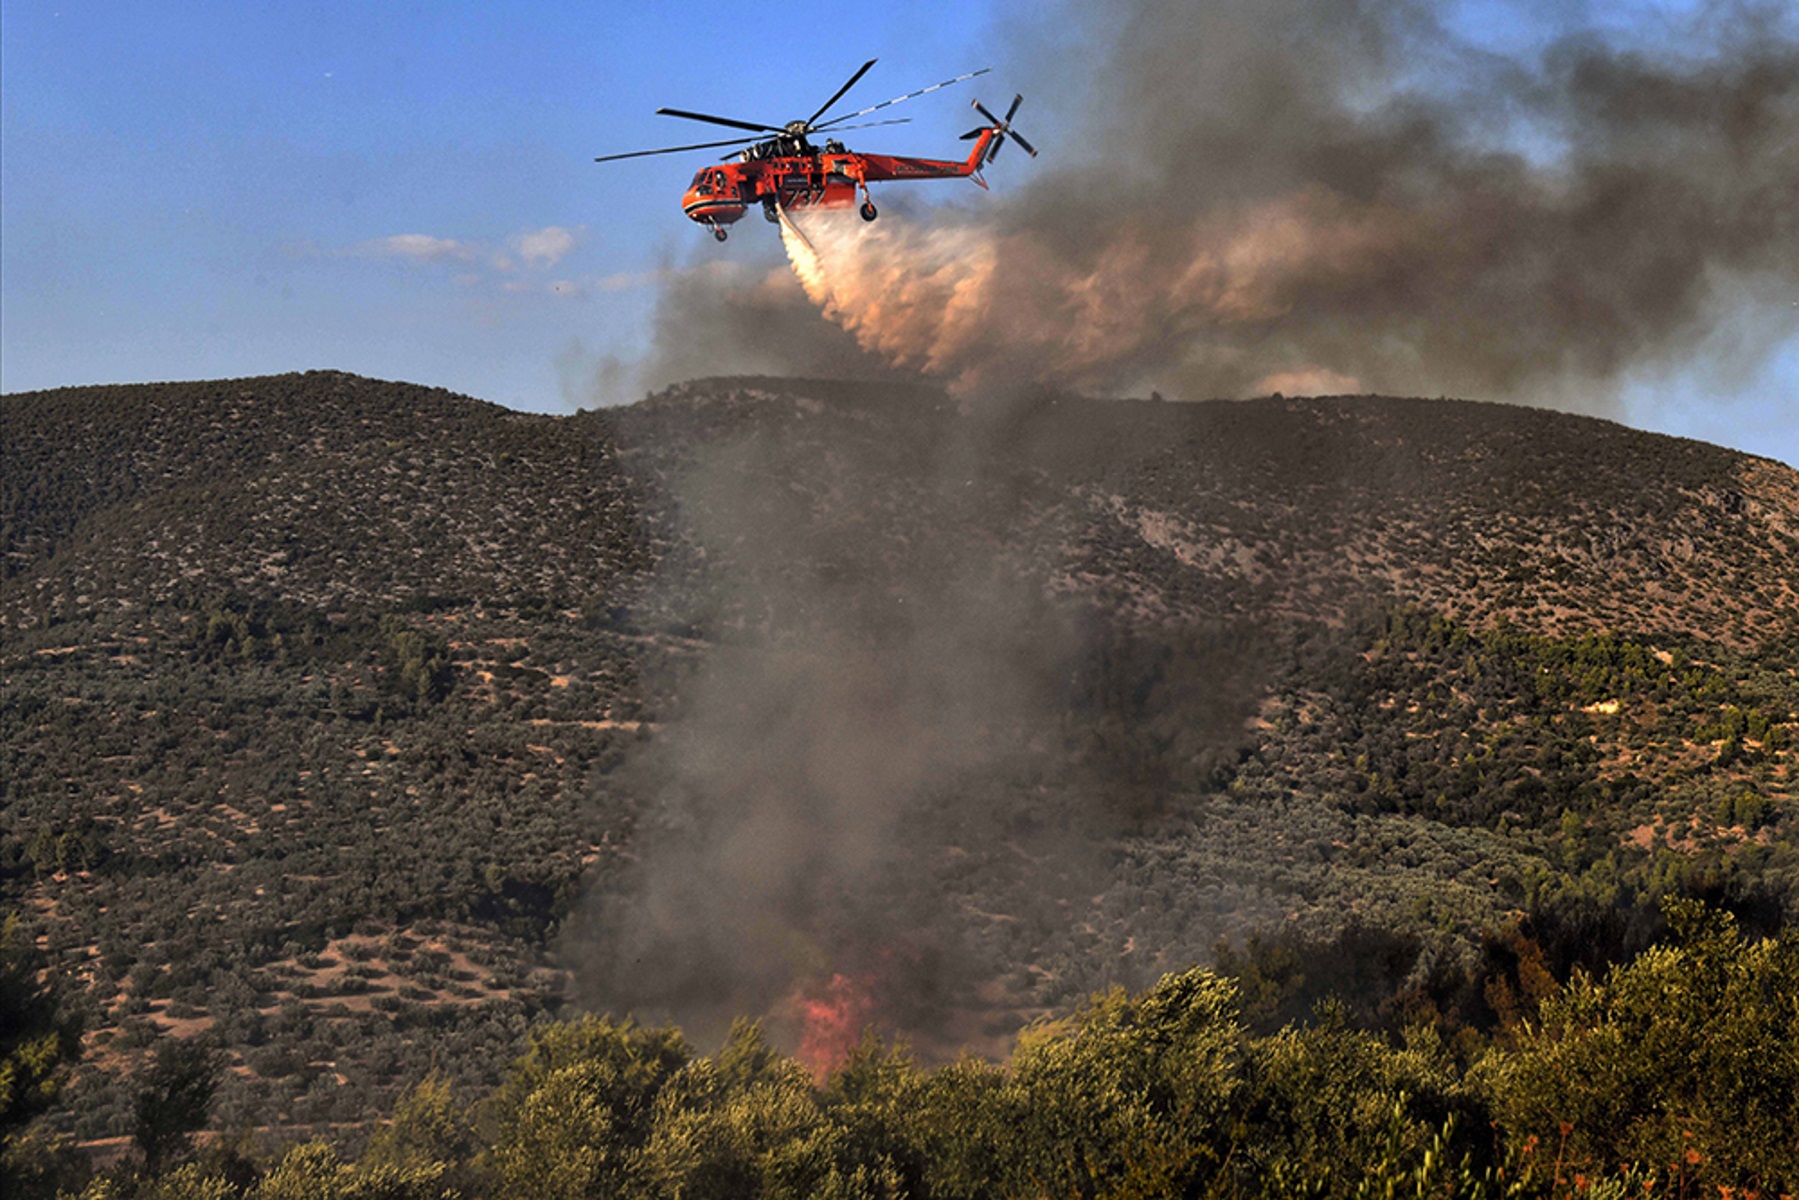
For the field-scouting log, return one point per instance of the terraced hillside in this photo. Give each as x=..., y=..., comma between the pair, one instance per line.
x=360, y=725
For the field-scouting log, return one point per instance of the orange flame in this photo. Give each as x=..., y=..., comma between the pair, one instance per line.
x=833, y=1016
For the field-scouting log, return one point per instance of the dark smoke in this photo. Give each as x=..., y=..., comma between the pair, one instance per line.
x=1434, y=261
x=742, y=322
x=1335, y=196
x=858, y=724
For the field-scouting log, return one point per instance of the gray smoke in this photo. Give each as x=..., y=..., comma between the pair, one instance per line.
x=1307, y=195
x=855, y=729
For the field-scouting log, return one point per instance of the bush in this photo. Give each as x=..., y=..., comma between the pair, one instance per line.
x=1686, y=1059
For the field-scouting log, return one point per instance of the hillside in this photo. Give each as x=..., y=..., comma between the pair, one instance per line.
x=363, y=724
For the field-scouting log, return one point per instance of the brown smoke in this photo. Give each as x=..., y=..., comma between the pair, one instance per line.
x=1303, y=194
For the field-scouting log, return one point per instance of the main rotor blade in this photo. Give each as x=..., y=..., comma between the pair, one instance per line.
x=872, y=124
x=693, y=116
x=675, y=149
x=864, y=125
x=908, y=96
x=839, y=95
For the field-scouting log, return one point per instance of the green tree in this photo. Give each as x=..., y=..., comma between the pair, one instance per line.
x=174, y=1100
x=1326, y=1101
x=959, y=1124
x=721, y=1134
x=1685, y=1058
x=1131, y=1095
x=570, y=1118
x=189, y=1181
x=311, y=1171
x=429, y=1129
x=37, y=1044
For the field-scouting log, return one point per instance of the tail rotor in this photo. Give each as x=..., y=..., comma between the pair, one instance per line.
x=1002, y=129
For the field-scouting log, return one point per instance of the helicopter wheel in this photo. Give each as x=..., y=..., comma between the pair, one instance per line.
x=718, y=233
x=868, y=210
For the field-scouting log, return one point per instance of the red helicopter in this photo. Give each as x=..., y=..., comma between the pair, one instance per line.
x=786, y=171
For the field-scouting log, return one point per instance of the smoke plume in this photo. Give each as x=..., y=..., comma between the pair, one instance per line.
x=855, y=729
x=1302, y=195
x=1257, y=195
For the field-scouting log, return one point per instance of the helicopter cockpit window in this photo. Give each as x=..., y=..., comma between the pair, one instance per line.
x=702, y=181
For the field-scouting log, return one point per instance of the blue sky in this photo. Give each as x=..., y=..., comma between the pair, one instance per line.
x=196, y=190
x=201, y=190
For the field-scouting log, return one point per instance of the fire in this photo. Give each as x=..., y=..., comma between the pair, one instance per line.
x=833, y=1015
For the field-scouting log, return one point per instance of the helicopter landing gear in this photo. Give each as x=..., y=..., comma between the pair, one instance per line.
x=719, y=234
x=868, y=210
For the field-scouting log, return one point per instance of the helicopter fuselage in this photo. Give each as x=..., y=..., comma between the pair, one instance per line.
x=720, y=195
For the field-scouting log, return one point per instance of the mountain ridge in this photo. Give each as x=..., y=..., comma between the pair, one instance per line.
x=1473, y=448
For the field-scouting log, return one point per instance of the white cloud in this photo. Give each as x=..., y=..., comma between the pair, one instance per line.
x=547, y=246
x=625, y=281
x=521, y=267
x=417, y=247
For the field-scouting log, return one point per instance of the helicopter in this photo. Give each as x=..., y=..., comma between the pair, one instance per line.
x=781, y=169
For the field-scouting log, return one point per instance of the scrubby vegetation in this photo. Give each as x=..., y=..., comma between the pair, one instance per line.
x=1676, y=1074
x=326, y=701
